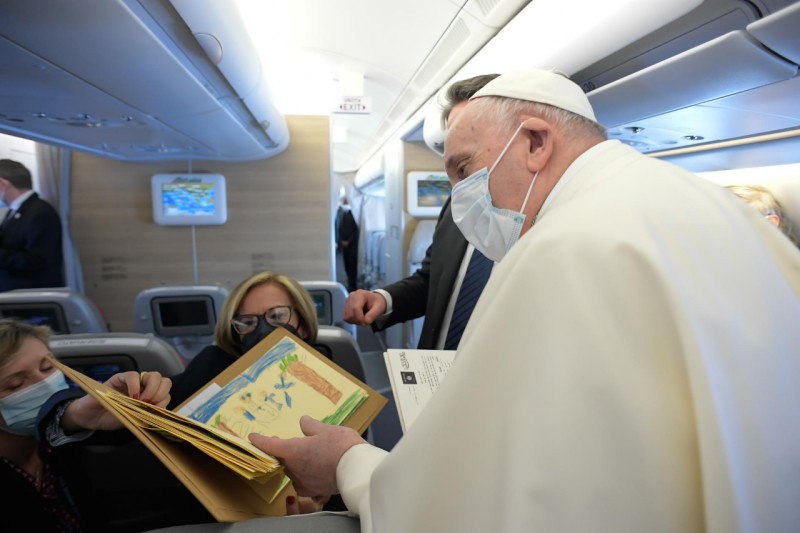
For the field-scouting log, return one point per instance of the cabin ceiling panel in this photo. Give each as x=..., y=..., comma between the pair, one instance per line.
x=434, y=48
x=388, y=51
x=709, y=20
x=703, y=77
x=121, y=69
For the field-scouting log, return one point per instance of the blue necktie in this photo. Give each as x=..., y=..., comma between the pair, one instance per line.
x=475, y=279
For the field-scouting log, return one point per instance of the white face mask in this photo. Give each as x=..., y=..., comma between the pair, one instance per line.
x=490, y=230
x=19, y=410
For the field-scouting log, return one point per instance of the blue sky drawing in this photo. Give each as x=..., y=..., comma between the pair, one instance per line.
x=206, y=411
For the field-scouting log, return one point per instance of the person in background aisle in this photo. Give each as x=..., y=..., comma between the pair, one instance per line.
x=629, y=366
x=766, y=204
x=42, y=491
x=31, y=255
x=347, y=242
x=434, y=289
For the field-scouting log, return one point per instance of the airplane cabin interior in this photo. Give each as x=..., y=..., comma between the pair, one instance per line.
x=295, y=104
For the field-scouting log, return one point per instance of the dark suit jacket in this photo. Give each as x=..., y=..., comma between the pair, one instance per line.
x=30, y=247
x=347, y=229
x=427, y=291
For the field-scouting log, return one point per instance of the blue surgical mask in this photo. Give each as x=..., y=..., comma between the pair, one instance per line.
x=491, y=230
x=19, y=410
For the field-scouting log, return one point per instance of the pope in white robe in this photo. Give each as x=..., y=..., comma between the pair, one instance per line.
x=633, y=365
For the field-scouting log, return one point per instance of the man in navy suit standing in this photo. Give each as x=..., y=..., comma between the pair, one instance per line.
x=30, y=235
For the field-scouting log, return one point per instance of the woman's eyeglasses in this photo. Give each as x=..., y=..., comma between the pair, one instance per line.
x=280, y=315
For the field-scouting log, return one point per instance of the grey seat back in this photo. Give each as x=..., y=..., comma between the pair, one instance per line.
x=153, y=496
x=101, y=355
x=329, y=297
x=182, y=315
x=63, y=310
x=341, y=347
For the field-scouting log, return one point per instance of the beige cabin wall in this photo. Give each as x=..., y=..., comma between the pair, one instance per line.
x=417, y=157
x=279, y=218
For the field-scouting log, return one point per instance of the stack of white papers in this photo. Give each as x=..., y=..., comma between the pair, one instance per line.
x=415, y=375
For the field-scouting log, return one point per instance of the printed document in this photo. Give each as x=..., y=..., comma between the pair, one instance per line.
x=415, y=375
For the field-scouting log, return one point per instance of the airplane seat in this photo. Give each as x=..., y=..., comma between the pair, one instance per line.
x=101, y=355
x=366, y=271
x=341, y=347
x=372, y=258
x=381, y=260
x=378, y=256
x=328, y=298
x=153, y=497
x=420, y=241
x=182, y=315
x=63, y=310
x=417, y=247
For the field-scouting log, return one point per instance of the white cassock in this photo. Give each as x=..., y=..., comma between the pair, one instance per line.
x=632, y=366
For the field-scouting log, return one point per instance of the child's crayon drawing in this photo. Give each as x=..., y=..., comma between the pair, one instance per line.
x=286, y=383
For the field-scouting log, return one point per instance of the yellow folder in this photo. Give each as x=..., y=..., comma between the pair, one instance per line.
x=265, y=391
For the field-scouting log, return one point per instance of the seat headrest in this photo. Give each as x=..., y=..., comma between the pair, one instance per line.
x=149, y=353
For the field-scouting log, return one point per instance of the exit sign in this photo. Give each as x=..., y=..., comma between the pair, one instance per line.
x=354, y=104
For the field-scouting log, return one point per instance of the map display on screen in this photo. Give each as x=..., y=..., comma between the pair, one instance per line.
x=426, y=193
x=189, y=199
x=433, y=192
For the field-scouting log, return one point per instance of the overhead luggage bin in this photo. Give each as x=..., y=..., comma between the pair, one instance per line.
x=127, y=79
x=778, y=32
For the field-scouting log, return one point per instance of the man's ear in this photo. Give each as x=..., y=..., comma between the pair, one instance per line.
x=540, y=136
x=774, y=219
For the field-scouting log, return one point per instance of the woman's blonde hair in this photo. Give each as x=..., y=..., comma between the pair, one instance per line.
x=13, y=333
x=765, y=202
x=227, y=339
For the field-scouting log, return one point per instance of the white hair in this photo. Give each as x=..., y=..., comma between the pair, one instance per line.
x=504, y=114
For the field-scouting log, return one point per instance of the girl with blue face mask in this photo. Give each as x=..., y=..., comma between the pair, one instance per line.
x=37, y=493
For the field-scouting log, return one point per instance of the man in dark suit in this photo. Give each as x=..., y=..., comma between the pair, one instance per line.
x=347, y=242
x=30, y=235
x=431, y=288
